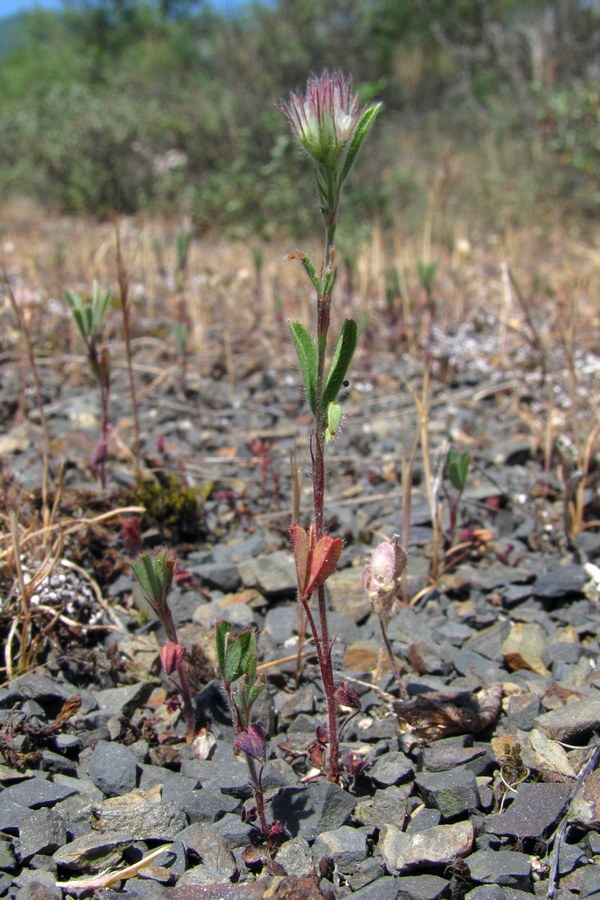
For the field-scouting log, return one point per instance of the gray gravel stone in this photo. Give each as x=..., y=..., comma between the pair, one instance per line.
x=501, y=867
x=438, y=845
x=113, y=768
x=212, y=848
x=309, y=810
x=571, y=722
x=421, y=887
x=295, y=856
x=385, y=888
x=33, y=793
x=453, y=793
x=346, y=846
x=590, y=885
x=386, y=807
x=562, y=582
x=124, y=700
x=445, y=756
x=536, y=809
x=273, y=574
x=43, y=831
x=391, y=768
x=143, y=817
x=93, y=852
x=221, y=576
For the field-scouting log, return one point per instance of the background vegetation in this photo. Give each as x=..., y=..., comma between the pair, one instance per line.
x=116, y=106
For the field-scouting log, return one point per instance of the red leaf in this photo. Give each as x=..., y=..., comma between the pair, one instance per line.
x=325, y=558
x=301, y=548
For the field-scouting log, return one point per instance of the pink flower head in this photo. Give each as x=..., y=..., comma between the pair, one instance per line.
x=327, y=118
x=382, y=576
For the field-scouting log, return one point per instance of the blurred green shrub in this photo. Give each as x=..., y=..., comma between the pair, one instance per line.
x=570, y=124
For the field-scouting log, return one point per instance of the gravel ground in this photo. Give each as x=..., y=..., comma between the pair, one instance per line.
x=481, y=776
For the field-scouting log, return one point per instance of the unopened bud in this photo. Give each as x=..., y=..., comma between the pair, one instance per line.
x=382, y=577
x=171, y=656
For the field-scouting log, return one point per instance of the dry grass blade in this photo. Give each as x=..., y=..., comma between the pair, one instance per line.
x=71, y=526
x=105, y=879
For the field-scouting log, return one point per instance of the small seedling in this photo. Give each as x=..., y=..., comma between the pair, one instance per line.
x=90, y=317
x=155, y=572
x=237, y=662
x=456, y=472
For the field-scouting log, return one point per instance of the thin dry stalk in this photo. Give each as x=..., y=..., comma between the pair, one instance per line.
x=22, y=622
x=301, y=623
x=432, y=479
x=75, y=525
x=123, y=283
x=37, y=393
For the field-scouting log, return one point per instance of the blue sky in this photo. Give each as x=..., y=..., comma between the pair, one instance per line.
x=9, y=7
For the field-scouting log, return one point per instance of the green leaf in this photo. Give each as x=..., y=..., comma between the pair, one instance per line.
x=307, y=359
x=457, y=468
x=250, y=664
x=362, y=130
x=232, y=669
x=143, y=569
x=334, y=417
x=221, y=632
x=342, y=357
x=311, y=272
x=426, y=271
x=254, y=693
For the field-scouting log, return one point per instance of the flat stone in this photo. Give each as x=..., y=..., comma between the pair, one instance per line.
x=433, y=846
x=273, y=574
x=522, y=711
x=346, y=846
x=7, y=860
x=124, y=700
x=93, y=852
x=113, y=768
x=362, y=655
x=385, y=807
x=443, y=758
x=584, y=809
x=535, y=810
x=280, y=623
x=385, y=888
x=421, y=887
x=524, y=648
x=43, y=831
x=501, y=867
x=572, y=722
x=295, y=856
x=590, y=883
x=34, y=793
x=453, y=793
x=562, y=582
x=347, y=595
x=309, y=810
x=195, y=884
x=391, y=768
x=212, y=848
x=145, y=815
x=221, y=576
x=540, y=753
x=468, y=662
x=37, y=885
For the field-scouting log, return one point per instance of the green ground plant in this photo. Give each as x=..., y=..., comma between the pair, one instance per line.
x=90, y=317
